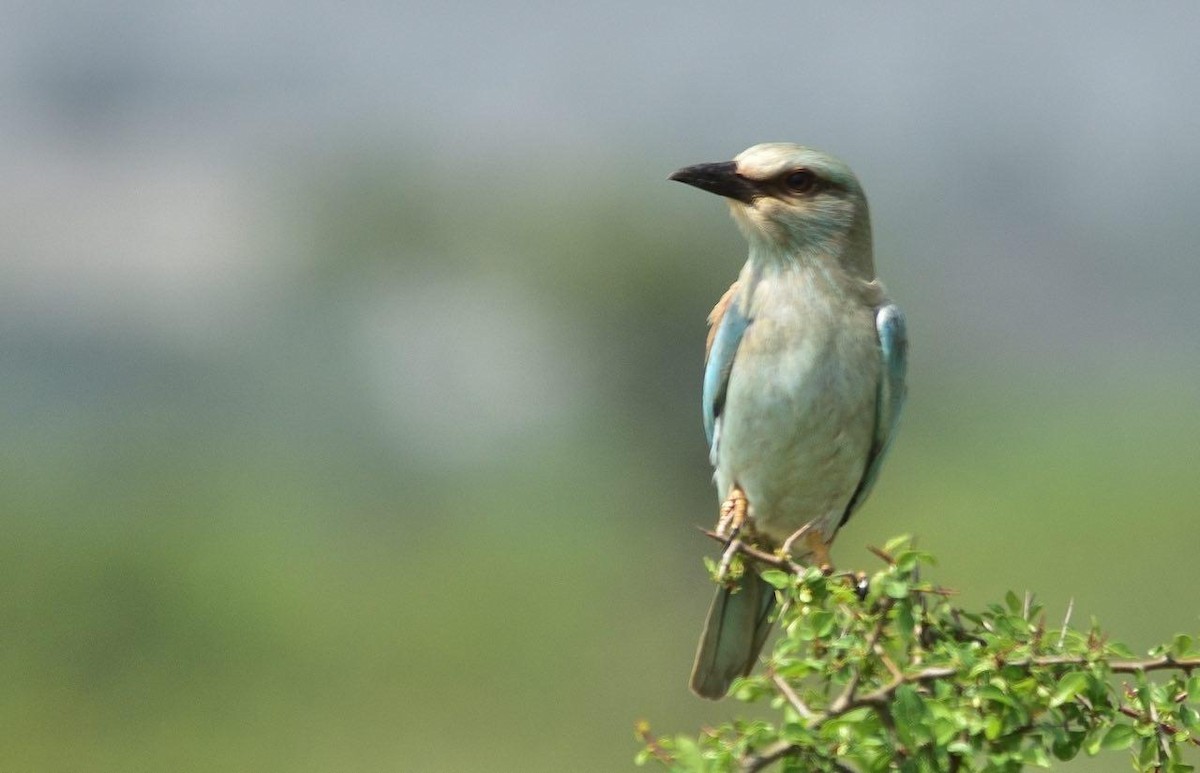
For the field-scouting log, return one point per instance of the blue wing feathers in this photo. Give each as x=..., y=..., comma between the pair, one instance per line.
x=893, y=351
x=893, y=345
x=730, y=330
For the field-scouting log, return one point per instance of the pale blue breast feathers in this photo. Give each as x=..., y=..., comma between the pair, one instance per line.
x=893, y=351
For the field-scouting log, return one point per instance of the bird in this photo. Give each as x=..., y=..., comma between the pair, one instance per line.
x=804, y=379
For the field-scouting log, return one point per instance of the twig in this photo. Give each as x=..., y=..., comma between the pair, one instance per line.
x=776, y=752
x=787, y=692
x=767, y=756
x=884, y=555
x=733, y=548
x=884, y=693
x=1165, y=727
x=758, y=555
x=847, y=695
x=1166, y=662
x=642, y=730
x=892, y=668
x=942, y=672
x=1062, y=636
x=1159, y=730
x=787, y=565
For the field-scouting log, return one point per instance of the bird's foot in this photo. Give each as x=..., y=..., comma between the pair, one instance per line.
x=734, y=512
x=734, y=516
x=786, y=549
x=815, y=546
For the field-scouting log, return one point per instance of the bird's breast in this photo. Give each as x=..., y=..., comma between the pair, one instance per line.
x=799, y=413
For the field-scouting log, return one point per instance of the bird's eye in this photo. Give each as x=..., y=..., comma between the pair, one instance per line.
x=801, y=181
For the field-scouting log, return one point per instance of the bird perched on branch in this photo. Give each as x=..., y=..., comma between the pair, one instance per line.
x=803, y=381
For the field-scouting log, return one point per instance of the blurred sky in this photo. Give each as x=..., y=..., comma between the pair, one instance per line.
x=1032, y=167
x=401, y=291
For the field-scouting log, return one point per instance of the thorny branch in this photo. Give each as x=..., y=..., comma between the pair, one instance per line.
x=1163, y=727
x=880, y=699
x=777, y=561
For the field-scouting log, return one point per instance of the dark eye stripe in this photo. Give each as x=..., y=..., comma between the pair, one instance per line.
x=801, y=181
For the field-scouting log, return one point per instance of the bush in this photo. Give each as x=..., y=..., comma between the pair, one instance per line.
x=885, y=673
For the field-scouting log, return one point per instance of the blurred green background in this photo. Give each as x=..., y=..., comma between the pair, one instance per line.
x=351, y=354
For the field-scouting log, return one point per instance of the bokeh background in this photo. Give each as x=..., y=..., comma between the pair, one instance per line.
x=351, y=354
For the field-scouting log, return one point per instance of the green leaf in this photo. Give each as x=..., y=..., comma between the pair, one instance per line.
x=897, y=589
x=1067, y=746
x=1069, y=686
x=908, y=710
x=777, y=578
x=1014, y=603
x=813, y=574
x=750, y=688
x=982, y=667
x=795, y=733
x=995, y=694
x=1148, y=754
x=908, y=560
x=688, y=754
x=1036, y=755
x=905, y=623
x=1181, y=645
x=896, y=543
x=1193, y=689
x=944, y=729
x=1118, y=737
x=823, y=623
x=1120, y=650
x=961, y=747
x=993, y=725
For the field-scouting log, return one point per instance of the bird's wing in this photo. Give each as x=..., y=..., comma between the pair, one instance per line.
x=893, y=351
x=726, y=323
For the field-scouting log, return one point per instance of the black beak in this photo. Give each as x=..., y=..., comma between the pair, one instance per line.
x=721, y=179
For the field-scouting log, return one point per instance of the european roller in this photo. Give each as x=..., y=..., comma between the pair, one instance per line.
x=803, y=380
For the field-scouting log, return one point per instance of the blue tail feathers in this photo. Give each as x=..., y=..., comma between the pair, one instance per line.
x=734, y=633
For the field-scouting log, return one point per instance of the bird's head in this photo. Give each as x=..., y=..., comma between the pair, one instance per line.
x=792, y=201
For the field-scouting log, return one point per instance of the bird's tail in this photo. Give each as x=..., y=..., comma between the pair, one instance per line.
x=734, y=633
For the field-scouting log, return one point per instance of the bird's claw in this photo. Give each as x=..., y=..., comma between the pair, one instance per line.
x=815, y=544
x=734, y=511
x=734, y=515
x=786, y=549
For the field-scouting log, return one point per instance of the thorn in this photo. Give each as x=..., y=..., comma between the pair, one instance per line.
x=887, y=559
x=1062, y=636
